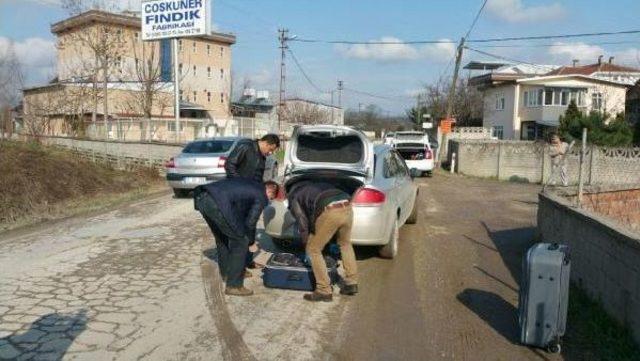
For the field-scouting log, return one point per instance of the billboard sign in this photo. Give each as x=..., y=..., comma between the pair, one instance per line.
x=163, y=19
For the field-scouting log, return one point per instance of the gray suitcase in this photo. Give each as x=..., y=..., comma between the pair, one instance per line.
x=544, y=296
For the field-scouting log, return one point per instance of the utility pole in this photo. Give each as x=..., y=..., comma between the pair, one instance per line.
x=283, y=37
x=340, y=88
x=452, y=90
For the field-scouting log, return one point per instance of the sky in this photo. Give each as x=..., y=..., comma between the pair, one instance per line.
x=392, y=72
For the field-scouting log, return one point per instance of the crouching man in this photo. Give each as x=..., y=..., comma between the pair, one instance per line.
x=231, y=208
x=323, y=211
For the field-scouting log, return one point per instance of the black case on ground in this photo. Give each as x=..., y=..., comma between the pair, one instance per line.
x=289, y=271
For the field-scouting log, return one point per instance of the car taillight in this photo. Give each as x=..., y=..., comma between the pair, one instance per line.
x=428, y=154
x=170, y=164
x=221, y=162
x=368, y=197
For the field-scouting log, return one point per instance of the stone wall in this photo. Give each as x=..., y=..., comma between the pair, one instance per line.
x=605, y=255
x=530, y=162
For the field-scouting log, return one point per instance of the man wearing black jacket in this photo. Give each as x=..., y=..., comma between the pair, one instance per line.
x=231, y=208
x=247, y=160
x=322, y=211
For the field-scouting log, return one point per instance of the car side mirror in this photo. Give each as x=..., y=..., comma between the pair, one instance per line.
x=414, y=172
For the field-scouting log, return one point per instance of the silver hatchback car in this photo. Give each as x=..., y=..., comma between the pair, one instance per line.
x=382, y=188
x=202, y=161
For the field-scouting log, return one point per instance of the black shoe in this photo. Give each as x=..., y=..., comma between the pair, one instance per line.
x=316, y=297
x=349, y=290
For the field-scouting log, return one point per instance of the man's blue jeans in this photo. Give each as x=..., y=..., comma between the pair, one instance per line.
x=232, y=247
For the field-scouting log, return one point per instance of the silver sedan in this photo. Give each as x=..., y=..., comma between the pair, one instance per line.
x=381, y=185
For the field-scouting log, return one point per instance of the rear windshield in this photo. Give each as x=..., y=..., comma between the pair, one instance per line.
x=325, y=147
x=410, y=136
x=208, y=146
x=411, y=145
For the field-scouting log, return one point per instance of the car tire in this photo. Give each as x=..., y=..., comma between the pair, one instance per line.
x=429, y=174
x=390, y=250
x=413, y=217
x=180, y=193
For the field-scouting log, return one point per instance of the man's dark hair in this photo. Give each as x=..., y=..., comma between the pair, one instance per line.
x=272, y=139
x=271, y=183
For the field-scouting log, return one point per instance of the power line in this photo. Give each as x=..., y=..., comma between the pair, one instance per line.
x=475, y=19
x=410, y=42
x=556, y=44
x=395, y=98
x=304, y=73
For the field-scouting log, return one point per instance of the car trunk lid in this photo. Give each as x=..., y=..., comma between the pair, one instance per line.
x=329, y=148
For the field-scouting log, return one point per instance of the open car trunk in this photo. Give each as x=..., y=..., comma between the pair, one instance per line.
x=412, y=151
x=342, y=181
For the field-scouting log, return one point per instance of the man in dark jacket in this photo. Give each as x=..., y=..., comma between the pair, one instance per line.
x=322, y=210
x=248, y=158
x=231, y=208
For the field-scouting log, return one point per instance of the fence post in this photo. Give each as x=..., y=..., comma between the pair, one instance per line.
x=581, y=169
x=594, y=149
x=499, y=159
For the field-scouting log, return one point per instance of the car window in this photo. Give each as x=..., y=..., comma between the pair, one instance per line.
x=401, y=166
x=209, y=146
x=389, y=166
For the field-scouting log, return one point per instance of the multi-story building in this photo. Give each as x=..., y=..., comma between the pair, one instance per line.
x=97, y=44
x=526, y=105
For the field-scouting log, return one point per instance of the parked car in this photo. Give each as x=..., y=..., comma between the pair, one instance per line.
x=416, y=150
x=388, y=138
x=382, y=189
x=202, y=161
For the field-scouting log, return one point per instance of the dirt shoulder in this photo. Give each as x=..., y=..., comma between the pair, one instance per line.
x=45, y=183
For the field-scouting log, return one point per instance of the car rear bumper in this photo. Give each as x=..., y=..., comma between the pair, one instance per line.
x=190, y=181
x=369, y=225
x=425, y=165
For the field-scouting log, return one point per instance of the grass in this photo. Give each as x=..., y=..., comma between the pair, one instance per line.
x=594, y=335
x=42, y=183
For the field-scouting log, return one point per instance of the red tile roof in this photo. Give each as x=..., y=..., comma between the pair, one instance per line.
x=593, y=68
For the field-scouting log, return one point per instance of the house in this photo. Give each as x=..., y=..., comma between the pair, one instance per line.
x=253, y=104
x=97, y=45
x=526, y=105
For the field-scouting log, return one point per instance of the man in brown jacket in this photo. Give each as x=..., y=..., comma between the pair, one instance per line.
x=322, y=211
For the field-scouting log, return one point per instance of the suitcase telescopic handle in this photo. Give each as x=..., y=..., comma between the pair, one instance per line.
x=554, y=246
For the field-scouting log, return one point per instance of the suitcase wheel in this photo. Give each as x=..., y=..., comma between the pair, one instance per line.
x=554, y=347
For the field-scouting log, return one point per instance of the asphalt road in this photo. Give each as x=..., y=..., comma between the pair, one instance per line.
x=140, y=282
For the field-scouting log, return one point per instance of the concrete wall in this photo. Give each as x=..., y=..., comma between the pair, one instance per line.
x=530, y=162
x=121, y=155
x=605, y=256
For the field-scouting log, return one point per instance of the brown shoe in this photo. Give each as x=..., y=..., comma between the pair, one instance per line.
x=247, y=274
x=317, y=297
x=238, y=291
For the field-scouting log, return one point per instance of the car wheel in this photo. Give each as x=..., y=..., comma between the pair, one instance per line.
x=180, y=193
x=413, y=217
x=390, y=250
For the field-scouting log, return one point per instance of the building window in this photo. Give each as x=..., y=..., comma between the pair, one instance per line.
x=548, y=97
x=137, y=63
x=181, y=94
x=221, y=73
x=195, y=96
x=208, y=49
x=533, y=98
x=581, y=98
x=180, y=69
x=136, y=35
x=221, y=97
x=557, y=95
x=194, y=71
x=209, y=97
x=498, y=131
x=118, y=64
x=500, y=103
x=209, y=72
x=221, y=51
x=180, y=45
x=194, y=47
x=596, y=101
x=564, y=97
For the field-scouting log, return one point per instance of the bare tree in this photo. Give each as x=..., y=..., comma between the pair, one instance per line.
x=11, y=84
x=467, y=104
x=299, y=112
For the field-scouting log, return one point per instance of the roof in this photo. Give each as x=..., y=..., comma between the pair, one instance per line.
x=593, y=68
x=126, y=20
x=131, y=86
x=511, y=72
x=312, y=102
x=190, y=106
x=484, y=65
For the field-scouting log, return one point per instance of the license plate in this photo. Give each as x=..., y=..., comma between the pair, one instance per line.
x=194, y=180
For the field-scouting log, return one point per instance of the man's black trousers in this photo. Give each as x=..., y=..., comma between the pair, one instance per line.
x=232, y=247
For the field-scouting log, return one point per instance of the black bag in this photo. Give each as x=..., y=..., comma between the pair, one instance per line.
x=290, y=271
x=544, y=296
